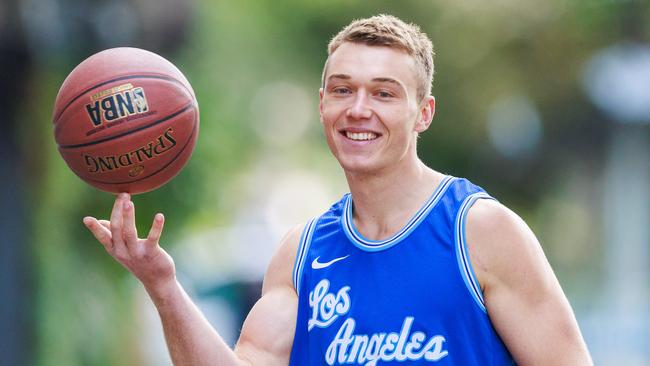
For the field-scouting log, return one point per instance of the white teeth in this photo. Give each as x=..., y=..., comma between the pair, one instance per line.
x=360, y=136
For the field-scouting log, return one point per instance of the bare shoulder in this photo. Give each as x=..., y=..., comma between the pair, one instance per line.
x=523, y=297
x=501, y=244
x=279, y=272
x=492, y=220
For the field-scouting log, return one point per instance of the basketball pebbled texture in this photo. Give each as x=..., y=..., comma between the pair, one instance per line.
x=126, y=120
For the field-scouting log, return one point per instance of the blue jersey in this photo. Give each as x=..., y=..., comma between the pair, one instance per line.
x=410, y=299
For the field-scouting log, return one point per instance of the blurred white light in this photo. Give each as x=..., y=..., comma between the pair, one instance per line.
x=294, y=198
x=617, y=80
x=514, y=126
x=275, y=201
x=281, y=113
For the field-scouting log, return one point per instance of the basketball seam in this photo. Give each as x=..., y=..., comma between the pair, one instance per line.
x=127, y=77
x=157, y=171
x=90, y=143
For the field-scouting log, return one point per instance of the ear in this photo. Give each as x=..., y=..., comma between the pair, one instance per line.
x=427, y=110
x=320, y=104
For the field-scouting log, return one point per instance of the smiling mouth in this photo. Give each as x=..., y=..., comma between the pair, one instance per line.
x=360, y=136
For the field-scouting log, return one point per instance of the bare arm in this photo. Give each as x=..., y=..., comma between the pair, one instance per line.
x=268, y=332
x=522, y=295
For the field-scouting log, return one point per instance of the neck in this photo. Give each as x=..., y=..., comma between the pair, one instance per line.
x=384, y=202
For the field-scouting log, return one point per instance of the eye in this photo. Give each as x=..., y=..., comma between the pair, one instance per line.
x=341, y=90
x=384, y=94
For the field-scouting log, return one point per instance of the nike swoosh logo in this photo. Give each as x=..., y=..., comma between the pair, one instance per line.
x=318, y=265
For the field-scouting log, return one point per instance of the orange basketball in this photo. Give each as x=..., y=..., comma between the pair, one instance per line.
x=126, y=120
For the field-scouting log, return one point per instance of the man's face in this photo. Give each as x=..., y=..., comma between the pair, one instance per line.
x=369, y=107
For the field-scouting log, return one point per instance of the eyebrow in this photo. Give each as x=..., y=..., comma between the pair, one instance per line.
x=378, y=80
x=339, y=76
x=386, y=80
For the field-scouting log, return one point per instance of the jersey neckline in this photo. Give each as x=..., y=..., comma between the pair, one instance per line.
x=376, y=245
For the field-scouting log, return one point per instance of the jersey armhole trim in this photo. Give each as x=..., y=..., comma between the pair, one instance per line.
x=462, y=254
x=303, y=249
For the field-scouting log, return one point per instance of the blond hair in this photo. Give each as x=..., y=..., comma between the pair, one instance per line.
x=389, y=31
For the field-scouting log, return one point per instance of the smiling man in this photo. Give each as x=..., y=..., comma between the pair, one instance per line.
x=411, y=267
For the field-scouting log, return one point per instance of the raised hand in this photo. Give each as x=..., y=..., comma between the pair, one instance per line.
x=142, y=257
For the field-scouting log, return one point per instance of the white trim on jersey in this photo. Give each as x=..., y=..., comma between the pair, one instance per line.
x=376, y=245
x=462, y=255
x=303, y=249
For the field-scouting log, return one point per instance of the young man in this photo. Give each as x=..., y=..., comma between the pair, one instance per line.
x=412, y=267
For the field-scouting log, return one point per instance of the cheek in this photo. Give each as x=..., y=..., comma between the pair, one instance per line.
x=327, y=113
x=329, y=117
x=327, y=122
x=400, y=121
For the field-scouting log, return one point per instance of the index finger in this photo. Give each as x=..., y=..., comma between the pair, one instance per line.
x=101, y=233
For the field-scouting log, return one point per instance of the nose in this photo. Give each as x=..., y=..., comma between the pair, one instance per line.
x=360, y=108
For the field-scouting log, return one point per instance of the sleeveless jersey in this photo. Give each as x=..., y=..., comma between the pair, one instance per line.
x=410, y=299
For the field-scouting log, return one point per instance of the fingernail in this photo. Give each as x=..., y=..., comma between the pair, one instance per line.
x=86, y=220
x=128, y=205
x=159, y=216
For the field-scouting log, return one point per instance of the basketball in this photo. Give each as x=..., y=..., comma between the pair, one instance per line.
x=126, y=120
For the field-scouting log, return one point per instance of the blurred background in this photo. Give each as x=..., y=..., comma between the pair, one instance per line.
x=546, y=104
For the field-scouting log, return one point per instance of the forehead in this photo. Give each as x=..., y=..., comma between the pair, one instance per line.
x=362, y=62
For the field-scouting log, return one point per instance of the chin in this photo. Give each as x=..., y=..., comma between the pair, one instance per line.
x=357, y=163
x=358, y=166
